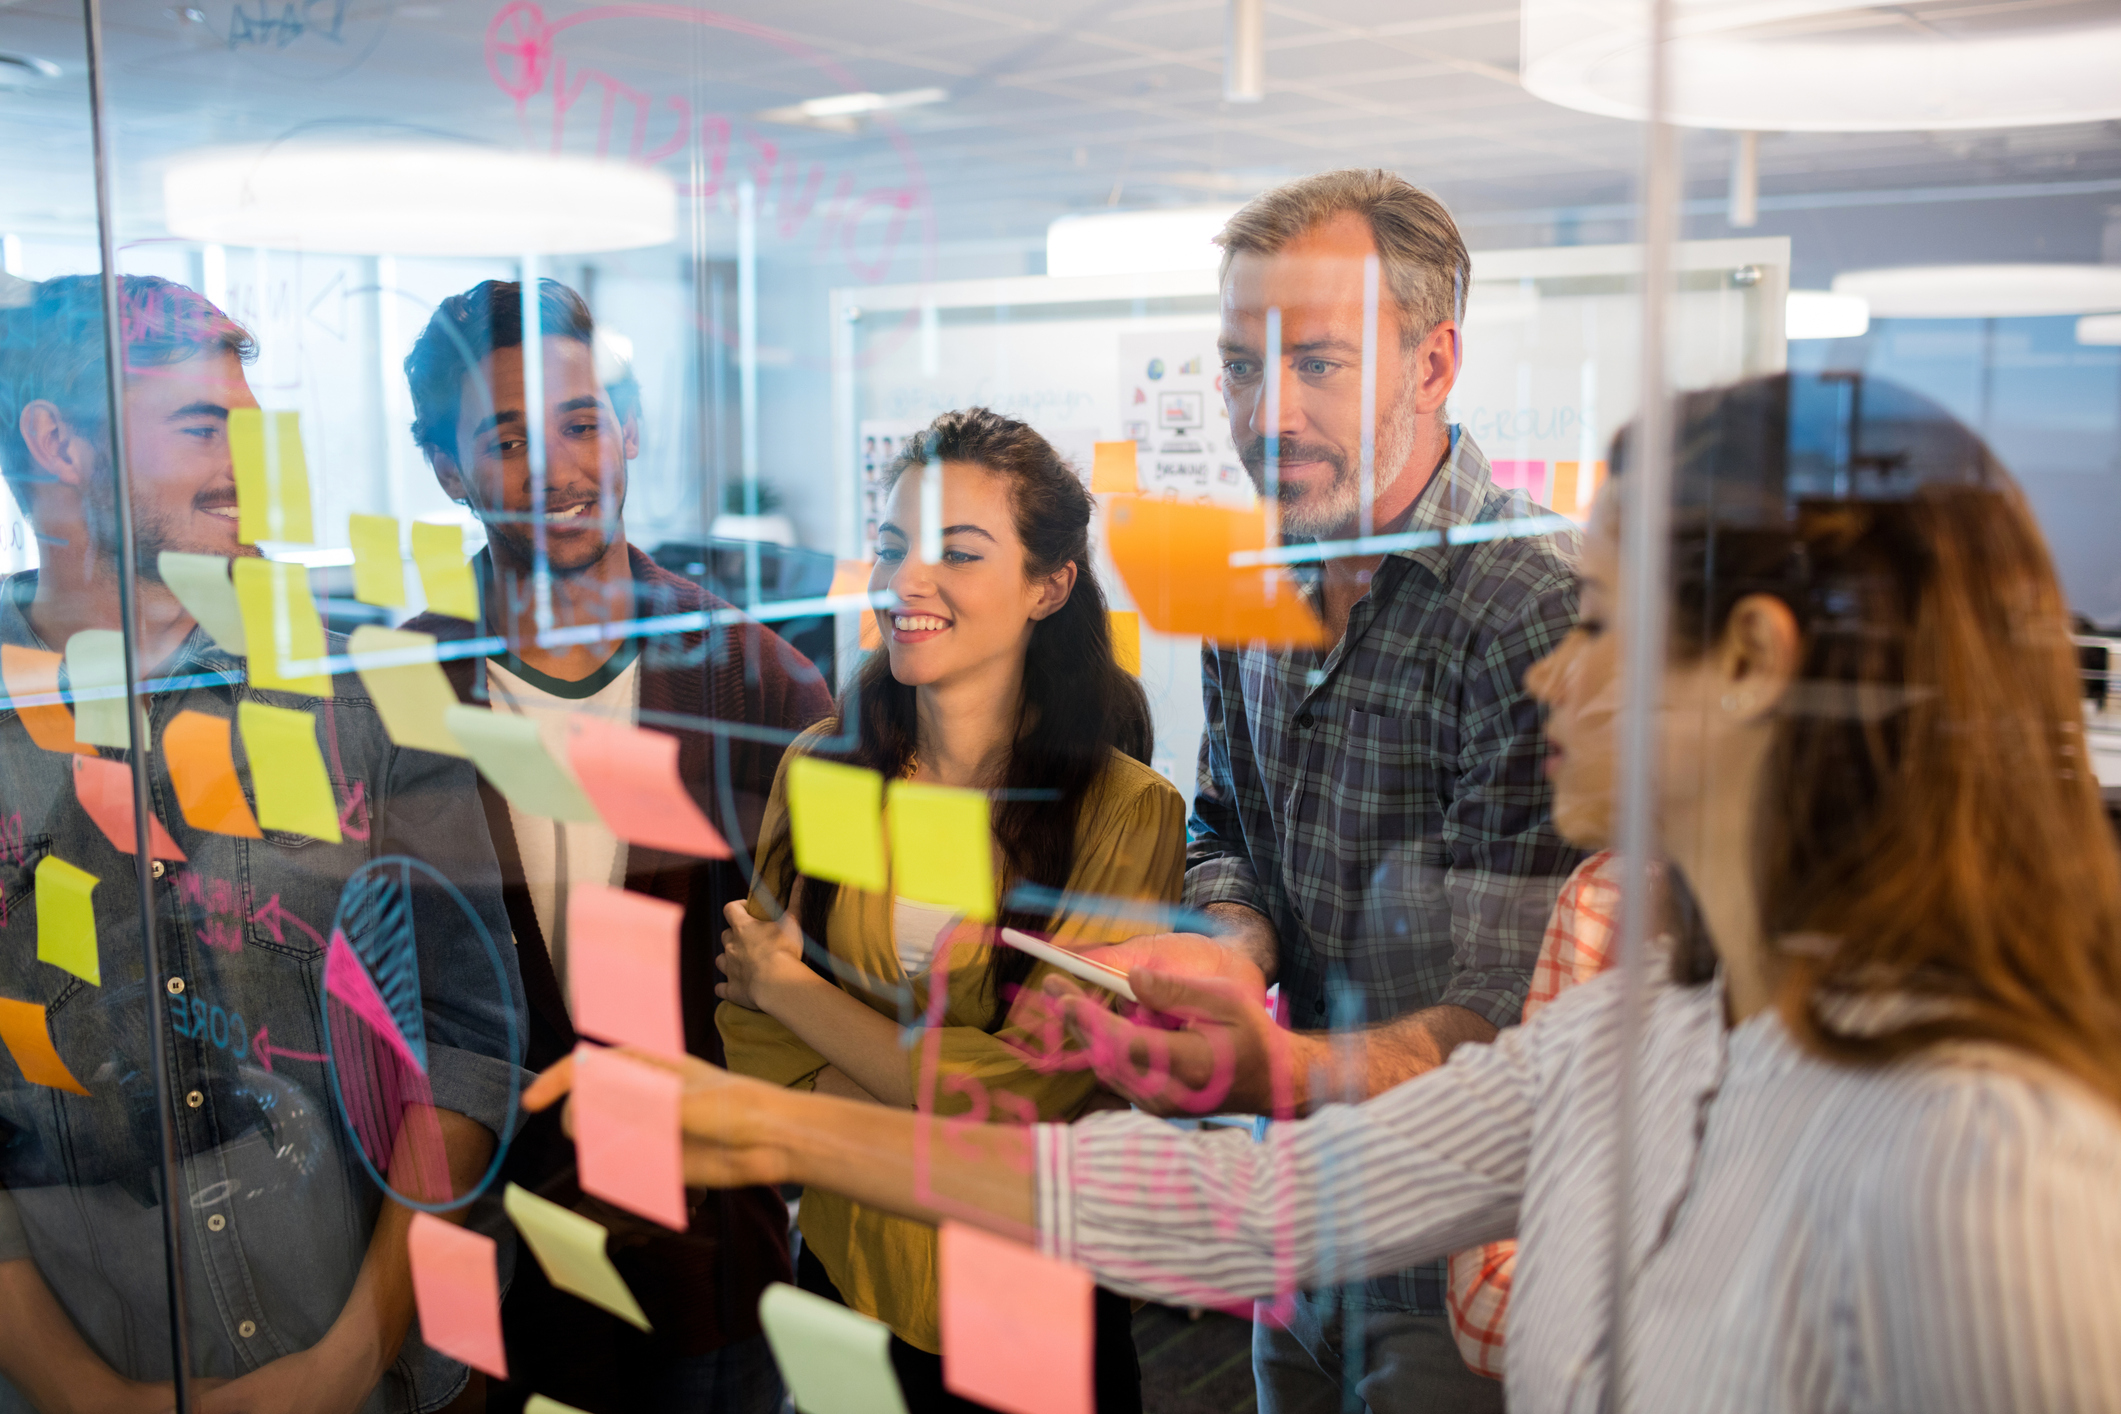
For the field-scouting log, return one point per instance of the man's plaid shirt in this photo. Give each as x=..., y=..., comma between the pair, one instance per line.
x=1383, y=804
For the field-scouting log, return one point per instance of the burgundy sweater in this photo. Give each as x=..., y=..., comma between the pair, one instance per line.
x=699, y=1289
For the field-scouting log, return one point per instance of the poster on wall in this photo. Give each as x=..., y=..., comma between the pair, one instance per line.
x=1171, y=408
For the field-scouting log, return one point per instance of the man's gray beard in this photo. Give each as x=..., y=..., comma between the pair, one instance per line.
x=1334, y=511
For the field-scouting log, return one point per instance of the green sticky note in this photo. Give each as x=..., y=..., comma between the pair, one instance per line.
x=404, y=678
x=95, y=671
x=942, y=848
x=66, y=919
x=281, y=626
x=287, y=771
x=378, y=568
x=272, y=479
x=570, y=1248
x=836, y=814
x=445, y=575
x=509, y=752
x=835, y=1361
x=202, y=586
x=545, y=1404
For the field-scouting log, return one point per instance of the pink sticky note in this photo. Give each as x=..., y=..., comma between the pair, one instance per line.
x=105, y=790
x=627, y=1142
x=458, y=1290
x=1528, y=476
x=631, y=776
x=1016, y=1325
x=622, y=968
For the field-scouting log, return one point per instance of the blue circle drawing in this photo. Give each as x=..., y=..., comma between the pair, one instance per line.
x=375, y=1032
x=1156, y=369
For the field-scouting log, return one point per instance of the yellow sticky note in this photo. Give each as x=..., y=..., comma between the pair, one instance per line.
x=281, y=626
x=95, y=671
x=29, y=1041
x=942, y=848
x=445, y=575
x=272, y=479
x=201, y=585
x=835, y=812
x=404, y=678
x=546, y=1404
x=66, y=919
x=836, y=1361
x=1126, y=639
x=378, y=568
x=287, y=771
x=570, y=1248
x=1113, y=468
x=510, y=752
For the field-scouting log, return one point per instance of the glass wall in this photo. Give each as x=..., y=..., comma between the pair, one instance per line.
x=1379, y=516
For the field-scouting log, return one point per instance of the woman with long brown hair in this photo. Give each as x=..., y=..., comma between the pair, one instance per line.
x=997, y=675
x=1878, y=1106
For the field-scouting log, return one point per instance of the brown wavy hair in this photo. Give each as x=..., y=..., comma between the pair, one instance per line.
x=1931, y=823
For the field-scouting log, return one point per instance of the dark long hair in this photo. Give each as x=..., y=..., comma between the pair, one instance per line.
x=1078, y=707
x=1930, y=822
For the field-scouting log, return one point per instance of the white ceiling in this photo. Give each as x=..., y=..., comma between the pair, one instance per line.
x=1062, y=106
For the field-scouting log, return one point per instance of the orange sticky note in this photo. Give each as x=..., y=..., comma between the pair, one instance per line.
x=631, y=776
x=1576, y=487
x=203, y=770
x=457, y=1287
x=628, y=1143
x=105, y=790
x=1176, y=562
x=850, y=577
x=29, y=1041
x=1126, y=639
x=30, y=673
x=1016, y=1325
x=622, y=968
x=1113, y=468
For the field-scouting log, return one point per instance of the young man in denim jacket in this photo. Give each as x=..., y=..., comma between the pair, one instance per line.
x=294, y=1260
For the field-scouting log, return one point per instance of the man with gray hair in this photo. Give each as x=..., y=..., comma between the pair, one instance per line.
x=1371, y=829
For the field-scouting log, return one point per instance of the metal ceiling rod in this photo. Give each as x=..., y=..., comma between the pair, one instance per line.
x=1745, y=181
x=1245, y=51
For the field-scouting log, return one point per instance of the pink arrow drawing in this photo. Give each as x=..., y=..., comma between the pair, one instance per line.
x=266, y=1051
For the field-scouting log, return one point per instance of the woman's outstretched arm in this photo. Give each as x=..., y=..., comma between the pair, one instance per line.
x=740, y=1131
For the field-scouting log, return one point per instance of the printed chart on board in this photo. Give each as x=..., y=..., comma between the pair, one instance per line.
x=1171, y=408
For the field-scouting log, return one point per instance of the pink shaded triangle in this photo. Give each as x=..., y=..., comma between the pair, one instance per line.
x=105, y=790
x=348, y=982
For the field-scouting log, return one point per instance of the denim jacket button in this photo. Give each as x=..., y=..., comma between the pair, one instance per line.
x=176, y=986
x=247, y=1329
x=216, y=1223
x=195, y=1099
x=157, y=868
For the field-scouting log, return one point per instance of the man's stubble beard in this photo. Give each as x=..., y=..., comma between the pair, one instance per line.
x=1335, y=509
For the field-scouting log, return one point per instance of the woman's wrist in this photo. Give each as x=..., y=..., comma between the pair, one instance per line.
x=778, y=981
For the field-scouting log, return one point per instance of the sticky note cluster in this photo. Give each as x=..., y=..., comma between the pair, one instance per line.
x=942, y=843
x=1175, y=560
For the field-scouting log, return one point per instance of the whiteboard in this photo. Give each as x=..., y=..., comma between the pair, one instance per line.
x=1551, y=371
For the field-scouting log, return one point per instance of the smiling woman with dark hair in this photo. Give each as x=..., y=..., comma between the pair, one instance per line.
x=997, y=675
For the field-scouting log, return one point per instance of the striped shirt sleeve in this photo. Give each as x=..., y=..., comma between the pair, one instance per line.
x=1210, y=1217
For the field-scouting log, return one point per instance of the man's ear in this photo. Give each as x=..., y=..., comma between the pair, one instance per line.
x=1436, y=362
x=452, y=480
x=630, y=433
x=1760, y=656
x=59, y=451
x=1053, y=592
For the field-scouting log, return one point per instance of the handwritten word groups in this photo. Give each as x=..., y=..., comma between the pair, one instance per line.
x=867, y=224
